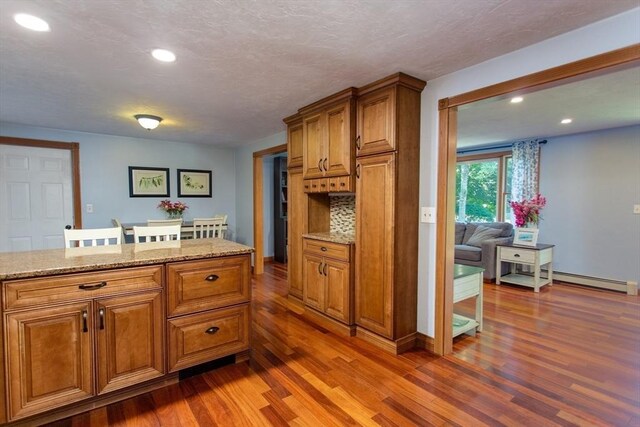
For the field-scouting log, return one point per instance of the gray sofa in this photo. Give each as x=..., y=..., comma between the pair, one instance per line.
x=483, y=254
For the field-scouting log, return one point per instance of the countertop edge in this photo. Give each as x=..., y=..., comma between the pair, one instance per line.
x=327, y=237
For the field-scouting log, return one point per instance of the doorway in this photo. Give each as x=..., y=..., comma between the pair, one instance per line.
x=447, y=159
x=40, y=193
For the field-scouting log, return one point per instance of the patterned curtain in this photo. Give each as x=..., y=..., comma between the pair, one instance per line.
x=524, y=178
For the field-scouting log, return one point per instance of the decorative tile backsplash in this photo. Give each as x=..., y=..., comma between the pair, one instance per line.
x=343, y=214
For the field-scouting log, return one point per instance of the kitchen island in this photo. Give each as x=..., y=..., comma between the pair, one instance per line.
x=84, y=327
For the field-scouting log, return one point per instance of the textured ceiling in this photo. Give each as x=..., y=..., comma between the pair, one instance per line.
x=601, y=102
x=244, y=65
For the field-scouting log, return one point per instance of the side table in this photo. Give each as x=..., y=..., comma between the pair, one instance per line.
x=535, y=256
x=467, y=283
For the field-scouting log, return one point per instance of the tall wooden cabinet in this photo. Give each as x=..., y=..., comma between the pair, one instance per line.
x=387, y=174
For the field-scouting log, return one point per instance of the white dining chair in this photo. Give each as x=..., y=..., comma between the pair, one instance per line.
x=156, y=233
x=204, y=228
x=163, y=222
x=93, y=235
x=222, y=217
x=116, y=223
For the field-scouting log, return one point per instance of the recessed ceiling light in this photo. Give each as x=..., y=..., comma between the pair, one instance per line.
x=516, y=99
x=566, y=121
x=163, y=55
x=31, y=22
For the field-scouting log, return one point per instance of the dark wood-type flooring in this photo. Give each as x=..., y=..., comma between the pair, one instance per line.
x=566, y=356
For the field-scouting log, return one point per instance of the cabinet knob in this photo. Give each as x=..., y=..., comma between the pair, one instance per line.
x=333, y=184
x=323, y=249
x=323, y=185
x=212, y=278
x=212, y=330
x=342, y=184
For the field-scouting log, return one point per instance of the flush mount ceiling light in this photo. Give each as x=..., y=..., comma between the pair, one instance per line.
x=148, y=121
x=31, y=22
x=163, y=55
x=566, y=121
x=516, y=99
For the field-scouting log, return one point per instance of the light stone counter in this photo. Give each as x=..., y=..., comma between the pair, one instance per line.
x=342, y=238
x=18, y=265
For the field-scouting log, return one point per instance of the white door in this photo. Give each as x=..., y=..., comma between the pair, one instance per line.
x=36, y=197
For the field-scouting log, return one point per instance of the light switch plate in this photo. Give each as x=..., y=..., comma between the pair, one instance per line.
x=636, y=209
x=89, y=208
x=428, y=214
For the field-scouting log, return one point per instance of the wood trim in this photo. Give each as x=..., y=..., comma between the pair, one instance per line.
x=258, y=207
x=424, y=341
x=446, y=168
x=400, y=79
x=473, y=157
x=328, y=101
x=561, y=72
x=74, y=148
x=282, y=148
x=328, y=323
x=268, y=259
x=292, y=118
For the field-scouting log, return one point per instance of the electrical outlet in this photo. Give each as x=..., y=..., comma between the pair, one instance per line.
x=89, y=208
x=636, y=209
x=428, y=215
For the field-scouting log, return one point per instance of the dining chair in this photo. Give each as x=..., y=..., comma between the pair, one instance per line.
x=116, y=223
x=163, y=222
x=80, y=236
x=204, y=228
x=156, y=233
x=221, y=216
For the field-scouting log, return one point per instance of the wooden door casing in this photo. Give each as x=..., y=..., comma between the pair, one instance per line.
x=314, y=287
x=49, y=358
x=312, y=146
x=376, y=122
x=130, y=344
x=375, y=202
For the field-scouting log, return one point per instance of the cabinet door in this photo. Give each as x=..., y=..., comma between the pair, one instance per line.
x=338, y=298
x=312, y=145
x=130, y=340
x=294, y=148
x=296, y=223
x=313, y=295
x=50, y=358
x=339, y=144
x=376, y=122
x=375, y=194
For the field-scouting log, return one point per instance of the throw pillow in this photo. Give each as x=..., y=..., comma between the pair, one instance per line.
x=481, y=234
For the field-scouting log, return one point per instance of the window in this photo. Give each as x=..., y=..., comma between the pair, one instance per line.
x=483, y=188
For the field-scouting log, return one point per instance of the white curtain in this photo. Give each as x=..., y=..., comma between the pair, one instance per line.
x=524, y=178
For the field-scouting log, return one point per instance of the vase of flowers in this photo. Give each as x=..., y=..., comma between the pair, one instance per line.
x=174, y=210
x=527, y=211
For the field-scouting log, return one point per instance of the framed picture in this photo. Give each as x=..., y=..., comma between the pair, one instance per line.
x=525, y=237
x=148, y=182
x=194, y=183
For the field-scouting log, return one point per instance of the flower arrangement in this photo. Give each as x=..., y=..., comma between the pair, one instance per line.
x=173, y=209
x=527, y=211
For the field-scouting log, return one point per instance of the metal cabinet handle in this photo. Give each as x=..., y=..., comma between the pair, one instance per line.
x=324, y=269
x=516, y=255
x=212, y=330
x=212, y=278
x=92, y=287
x=358, y=170
x=358, y=142
x=320, y=164
x=101, y=315
x=324, y=164
x=84, y=321
x=320, y=268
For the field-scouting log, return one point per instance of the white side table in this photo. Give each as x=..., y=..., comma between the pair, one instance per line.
x=467, y=283
x=535, y=256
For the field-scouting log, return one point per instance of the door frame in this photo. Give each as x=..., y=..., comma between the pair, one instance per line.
x=74, y=148
x=258, y=204
x=447, y=144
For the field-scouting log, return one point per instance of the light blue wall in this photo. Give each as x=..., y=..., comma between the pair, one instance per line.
x=603, y=36
x=104, y=162
x=267, y=202
x=591, y=182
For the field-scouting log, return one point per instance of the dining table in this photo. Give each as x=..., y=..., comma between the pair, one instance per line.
x=186, y=231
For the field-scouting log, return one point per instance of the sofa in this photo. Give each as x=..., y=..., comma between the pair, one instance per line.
x=480, y=250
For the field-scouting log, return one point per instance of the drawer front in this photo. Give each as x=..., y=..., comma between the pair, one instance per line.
x=195, y=286
x=518, y=255
x=202, y=337
x=77, y=287
x=340, y=184
x=466, y=287
x=327, y=249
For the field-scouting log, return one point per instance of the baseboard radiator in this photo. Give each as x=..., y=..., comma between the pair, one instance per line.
x=630, y=288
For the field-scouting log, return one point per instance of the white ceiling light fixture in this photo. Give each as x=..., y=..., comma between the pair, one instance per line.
x=148, y=121
x=163, y=55
x=31, y=22
x=517, y=99
x=566, y=121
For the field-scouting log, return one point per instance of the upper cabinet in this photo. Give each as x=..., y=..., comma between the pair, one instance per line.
x=328, y=130
x=376, y=122
x=294, y=140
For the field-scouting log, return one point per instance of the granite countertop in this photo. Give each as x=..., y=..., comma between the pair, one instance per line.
x=335, y=237
x=16, y=265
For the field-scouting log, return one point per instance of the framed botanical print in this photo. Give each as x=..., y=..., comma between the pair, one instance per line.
x=148, y=182
x=194, y=183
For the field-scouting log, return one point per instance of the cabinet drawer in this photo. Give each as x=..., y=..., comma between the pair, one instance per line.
x=340, y=184
x=517, y=255
x=82, y=286
x=202, y=337
x=194, y=286
x=466, y=287
x=326, y=249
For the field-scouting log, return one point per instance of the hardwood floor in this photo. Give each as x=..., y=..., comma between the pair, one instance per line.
x=566, y=356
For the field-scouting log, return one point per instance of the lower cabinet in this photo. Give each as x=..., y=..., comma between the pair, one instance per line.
x=328, y=282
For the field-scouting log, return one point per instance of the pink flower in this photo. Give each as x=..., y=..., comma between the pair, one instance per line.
x=528, y=211
x=168, y=206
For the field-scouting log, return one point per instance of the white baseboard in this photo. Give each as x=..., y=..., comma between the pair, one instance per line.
x=630, y=288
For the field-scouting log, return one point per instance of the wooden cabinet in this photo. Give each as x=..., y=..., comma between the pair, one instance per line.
x=297, y=224
x=294, y=141
x=387, y=174
x=328, y=129
x=328, y=279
